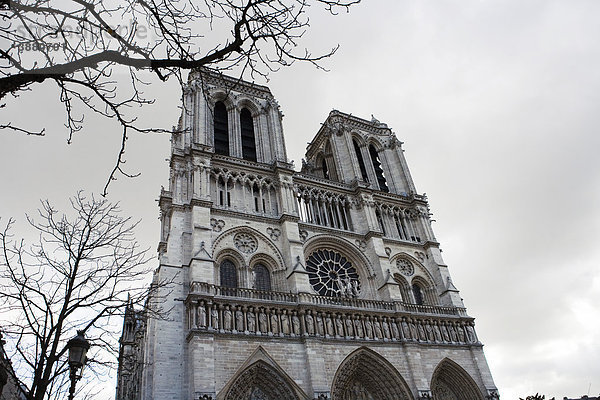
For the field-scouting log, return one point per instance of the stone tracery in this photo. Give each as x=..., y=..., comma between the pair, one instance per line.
x=260, y=381
x=365, y=375
x=451, y=382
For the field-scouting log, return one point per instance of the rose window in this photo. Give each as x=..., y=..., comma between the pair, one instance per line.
x=245, y=243
x=406, y=268
x=332, y=274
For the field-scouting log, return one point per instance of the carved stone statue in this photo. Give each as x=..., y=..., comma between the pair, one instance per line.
x=461, y=333
x=215, y=317
x=395, y=330
x=274, y=322
x=452, y=331
x=377, y=328
x=358, y=327
x=421, y=331
x=251, y=321
x=471, y=336
x=405, y=329
x=310, y=324
x=329, y=326
x=368, y=328
x=428, y=331
x=295, y=323
x=339, y=326
x=319, y=323
x=413, y=330
x=349, y=327
x=227, y=319
x=386, y=329
x=437, y=333
x=285, y=323
x=201, y=322
x=262, y=322
x=445, y=333
x=239, y=320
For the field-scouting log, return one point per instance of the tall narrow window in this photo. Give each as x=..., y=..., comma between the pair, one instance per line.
x=324, y=167
x=361, y=162
x=381, y=224
x=221, y=134
x=418, y=293
x=378, y=169
x=248, y=140
x=262, y=278
x=228, y=274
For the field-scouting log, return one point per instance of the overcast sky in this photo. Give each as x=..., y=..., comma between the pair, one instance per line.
x=497, y=103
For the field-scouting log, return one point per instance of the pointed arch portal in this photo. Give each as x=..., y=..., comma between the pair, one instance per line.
x=260, y=381
x=451, y=382
x=365, y=375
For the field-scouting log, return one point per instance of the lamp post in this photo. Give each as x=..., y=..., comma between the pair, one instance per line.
x=78, y=347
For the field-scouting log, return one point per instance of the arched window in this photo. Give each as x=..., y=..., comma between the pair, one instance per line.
x=248, y=140
x=361, y=161
x=418, y=293
x=378, y=169
x=221, y=134
x=262, y=278
x=228, y=274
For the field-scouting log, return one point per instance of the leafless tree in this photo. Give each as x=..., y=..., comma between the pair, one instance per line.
x=79, y=44
x=82, y=272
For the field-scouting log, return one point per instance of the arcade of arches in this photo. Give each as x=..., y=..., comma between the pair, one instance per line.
x=363, y=375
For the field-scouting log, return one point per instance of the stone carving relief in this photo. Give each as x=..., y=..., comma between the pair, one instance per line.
x=361, y=244
x=388, y=251
x=303, y=235
x=245, y=242
x=274, y=233
x=217, y=224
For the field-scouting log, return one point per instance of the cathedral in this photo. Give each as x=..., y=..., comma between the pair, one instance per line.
x=327, y=283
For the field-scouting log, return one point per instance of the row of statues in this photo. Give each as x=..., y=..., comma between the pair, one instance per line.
x=248, y=319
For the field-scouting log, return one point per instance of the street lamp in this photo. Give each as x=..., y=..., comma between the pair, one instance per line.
x=78, y=348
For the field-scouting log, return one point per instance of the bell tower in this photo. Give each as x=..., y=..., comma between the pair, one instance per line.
x=327, y=283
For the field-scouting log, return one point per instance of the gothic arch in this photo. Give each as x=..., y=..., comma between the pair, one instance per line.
x=419, y=275
x=278, y=281
x=366, y=375
x=250, y=104
x=217, y=94
x=451, y=382
x=264, y=244
x=236, y=259
x=260, y=377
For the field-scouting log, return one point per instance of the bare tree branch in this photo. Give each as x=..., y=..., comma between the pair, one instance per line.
x=81, y=43
x=85, y=269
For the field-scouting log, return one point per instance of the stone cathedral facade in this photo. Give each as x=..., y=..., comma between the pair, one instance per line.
x=326, y=283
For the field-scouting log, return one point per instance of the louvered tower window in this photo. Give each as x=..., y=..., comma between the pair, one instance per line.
x=262, y=278
x=248, y=139
x=221, y=134
x=378, y=169
x=361, y=161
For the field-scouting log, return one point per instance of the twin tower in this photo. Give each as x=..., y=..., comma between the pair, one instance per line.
x=326, y=283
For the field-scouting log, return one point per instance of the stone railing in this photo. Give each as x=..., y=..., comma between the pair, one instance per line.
x=201, y=288
x=233, y=316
